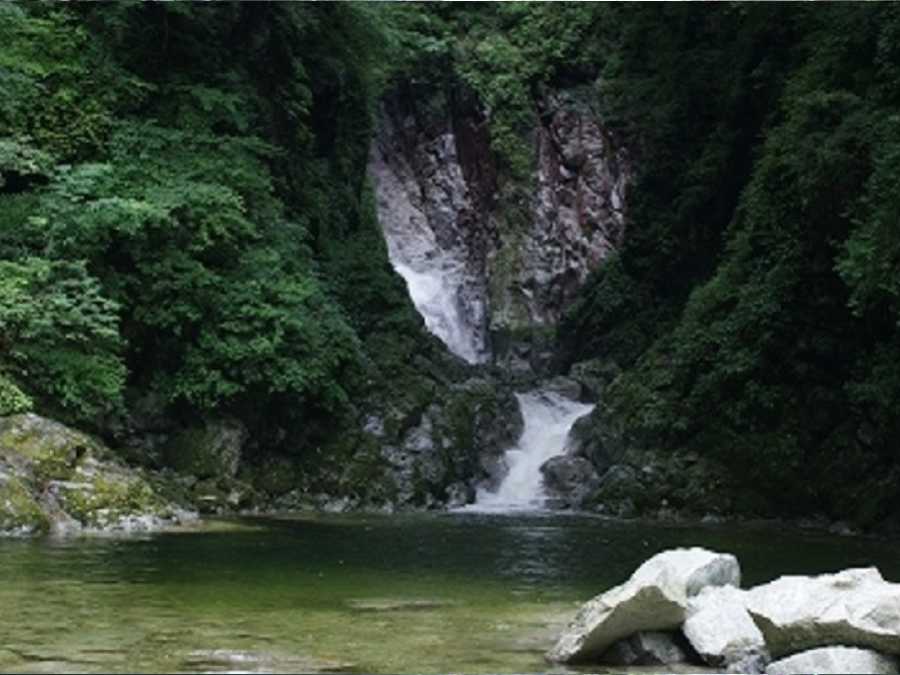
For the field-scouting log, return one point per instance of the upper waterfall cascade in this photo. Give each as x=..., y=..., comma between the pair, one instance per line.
x=548, y=419
x=427, y=249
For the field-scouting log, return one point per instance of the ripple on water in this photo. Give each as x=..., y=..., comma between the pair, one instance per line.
x=464, y=593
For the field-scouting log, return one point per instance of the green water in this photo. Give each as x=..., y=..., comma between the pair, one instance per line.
x=378, y=594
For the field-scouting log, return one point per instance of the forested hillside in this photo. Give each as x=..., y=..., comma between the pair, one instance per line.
x=187, y=232
x=754, y=307
x=185, y=215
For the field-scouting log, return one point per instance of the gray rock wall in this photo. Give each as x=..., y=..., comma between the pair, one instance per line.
x=436, y=180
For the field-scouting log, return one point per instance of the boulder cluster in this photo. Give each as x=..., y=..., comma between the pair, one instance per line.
x=686, y=606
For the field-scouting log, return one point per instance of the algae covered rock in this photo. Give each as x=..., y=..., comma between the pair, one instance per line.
x=54, y=478
x=20, y=513
x=43, y=449
x=107, y=496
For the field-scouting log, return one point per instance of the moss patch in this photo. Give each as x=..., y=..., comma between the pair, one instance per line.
x=103, y=500
x=50, y=449
x=19, y=512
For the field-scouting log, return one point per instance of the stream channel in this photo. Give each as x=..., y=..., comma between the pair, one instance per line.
x=418, y=593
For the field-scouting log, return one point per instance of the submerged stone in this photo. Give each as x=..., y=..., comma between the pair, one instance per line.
x=397, y=604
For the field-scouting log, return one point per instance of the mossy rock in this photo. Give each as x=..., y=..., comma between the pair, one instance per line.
x=210, y=451
x=51, y=475
x=46, y=449
x=102, y=498
x=220, y=495
x=481, y=416
x=594, y=376
x=19, y=511
x=275, y=475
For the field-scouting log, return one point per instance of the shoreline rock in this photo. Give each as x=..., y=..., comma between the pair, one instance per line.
x=835, y=660
x=855, y=607
x=55, y=480
x=654, y=598
x=831, y=623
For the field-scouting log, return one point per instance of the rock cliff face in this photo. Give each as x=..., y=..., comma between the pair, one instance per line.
x=577, y=216
x=434, y=228
x=473, y=271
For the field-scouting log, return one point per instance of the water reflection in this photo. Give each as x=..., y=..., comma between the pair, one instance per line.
x=419, y=593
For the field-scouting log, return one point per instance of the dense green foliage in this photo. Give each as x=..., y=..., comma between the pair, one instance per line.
x=185, y=218
x=184, y=212
x=754, y=306
x=752, y=312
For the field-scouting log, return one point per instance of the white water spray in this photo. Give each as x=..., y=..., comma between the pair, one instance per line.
x=548, y=419
x=434, y=281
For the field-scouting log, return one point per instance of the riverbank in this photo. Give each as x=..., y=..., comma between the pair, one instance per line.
x=54, y=479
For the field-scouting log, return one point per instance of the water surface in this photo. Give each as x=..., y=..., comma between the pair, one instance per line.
x=444, y=593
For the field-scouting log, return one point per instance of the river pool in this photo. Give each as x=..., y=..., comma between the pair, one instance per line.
x=426, y=593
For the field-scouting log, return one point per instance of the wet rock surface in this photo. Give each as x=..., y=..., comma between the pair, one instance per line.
x=432, y=225
x=568, y=480
x=56, y=479
x=455, y=445
x=578, y=210
x=467, y=267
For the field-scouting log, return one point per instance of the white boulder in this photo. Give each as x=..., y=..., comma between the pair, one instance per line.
x=654, y=598
x=721, y=631
x=827, y=660
x=854, y=607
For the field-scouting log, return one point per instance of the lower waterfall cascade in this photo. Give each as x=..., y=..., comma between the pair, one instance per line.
x=548, y=419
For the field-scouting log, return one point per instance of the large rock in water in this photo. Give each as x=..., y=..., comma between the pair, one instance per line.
x=835, y=660
x=721, y=631
x=854, y=607
x=568, y=480
x=654, y=598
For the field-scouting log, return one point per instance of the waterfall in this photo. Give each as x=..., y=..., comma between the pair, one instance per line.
x=548, y=419
x=434, y=280
x=420, y=215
